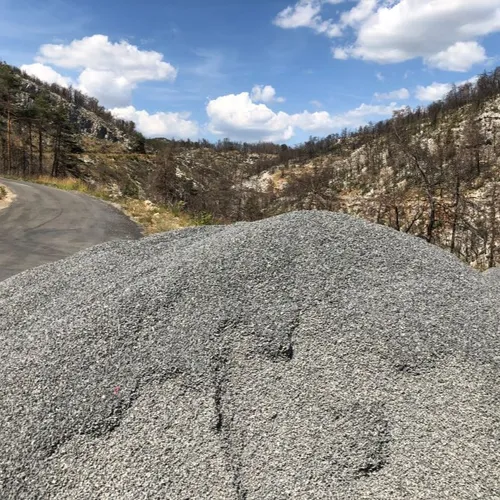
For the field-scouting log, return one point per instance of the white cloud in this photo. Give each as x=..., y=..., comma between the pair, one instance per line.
x=362, y=11
x=111, y=88
x=432, y=92
x=369, y=110
x=98, y=53
x=380, y=77
x=302, y=14
x=444, y=33
x=305, y=14
x=314, y=122
x=316, y=104
x=458, y=57
x=175, y=125
x=400, y=94
x=322, y=121
x=340, y=53
x=46, y=74
x=239, y=117
x=109, y=71
x=437, y=91
x=265, y=94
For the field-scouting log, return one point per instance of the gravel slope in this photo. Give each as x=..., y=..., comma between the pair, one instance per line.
x=311, y=355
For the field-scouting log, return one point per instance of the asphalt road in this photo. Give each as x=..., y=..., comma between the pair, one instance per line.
x=44, y=224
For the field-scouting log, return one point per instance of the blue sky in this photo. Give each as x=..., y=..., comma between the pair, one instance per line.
x=264, y=70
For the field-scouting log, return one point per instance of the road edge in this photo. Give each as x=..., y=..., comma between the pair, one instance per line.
x=119, y=208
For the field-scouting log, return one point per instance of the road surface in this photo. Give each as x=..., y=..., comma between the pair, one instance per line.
x=44, y=224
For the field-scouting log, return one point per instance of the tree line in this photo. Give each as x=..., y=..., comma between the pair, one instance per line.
x=38, y=135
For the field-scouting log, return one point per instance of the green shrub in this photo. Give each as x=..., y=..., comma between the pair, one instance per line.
x=203, y=219
x=131, y=189
x=177, y=208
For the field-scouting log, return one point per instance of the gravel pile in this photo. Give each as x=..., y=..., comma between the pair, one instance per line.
x=308, y=356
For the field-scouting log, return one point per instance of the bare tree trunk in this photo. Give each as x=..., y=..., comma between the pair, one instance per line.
x=30, y=171
x=431, y=224
x=379, y=213
x=432, y=220
x=40, y=151
x=25, y=162
x=455, y=215
x=57, y=148
x=396, y=213
x=9, y=146
x=493, y=224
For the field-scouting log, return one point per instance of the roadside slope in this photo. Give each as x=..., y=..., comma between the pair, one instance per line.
x=44, y=225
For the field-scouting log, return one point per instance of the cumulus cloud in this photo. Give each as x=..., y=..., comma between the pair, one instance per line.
x=266, y=94
x=46, y=74
x=436, y=91
x=171, y=125
x=443, y=33
x=370, y=110
x=240, y=117
x=400, y=94
x=109, y=71
x=306, y=14
x=359, y=13
x=432, y=92
x=458, y=57
x=110, y=88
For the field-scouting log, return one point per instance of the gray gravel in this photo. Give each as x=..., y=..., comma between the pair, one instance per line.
x=308, y=356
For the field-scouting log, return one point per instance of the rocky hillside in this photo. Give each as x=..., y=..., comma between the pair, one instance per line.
x=51, y=130
x=432, y=172
x=56, y=131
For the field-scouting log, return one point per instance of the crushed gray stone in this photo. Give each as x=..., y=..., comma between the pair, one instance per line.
x=307, y=356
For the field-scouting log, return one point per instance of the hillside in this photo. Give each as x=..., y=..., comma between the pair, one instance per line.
x=51, y=130
x=432, y=172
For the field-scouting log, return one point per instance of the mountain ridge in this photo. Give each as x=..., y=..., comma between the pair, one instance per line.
x=431, y=171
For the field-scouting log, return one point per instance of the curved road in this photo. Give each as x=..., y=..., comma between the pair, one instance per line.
x=44, y=224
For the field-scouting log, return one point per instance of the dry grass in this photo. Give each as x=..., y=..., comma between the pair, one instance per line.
x=154, y=218
x=65, y=183
x=6, y=197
